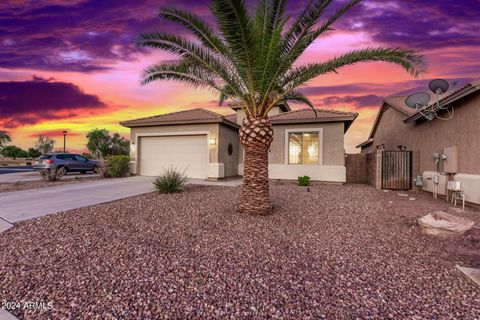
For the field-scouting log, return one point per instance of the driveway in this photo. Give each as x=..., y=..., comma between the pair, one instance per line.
x=28, y=204
x=19, y=176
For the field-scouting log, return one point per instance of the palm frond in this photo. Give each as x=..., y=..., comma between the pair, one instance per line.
x=407, y=59
x=197, y=26
x=237, y=28
x=297, y=96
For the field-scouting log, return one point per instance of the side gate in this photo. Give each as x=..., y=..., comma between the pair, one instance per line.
x=397, y=170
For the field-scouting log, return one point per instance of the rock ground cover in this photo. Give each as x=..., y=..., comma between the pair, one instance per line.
x=27, y=185
x=335, y=252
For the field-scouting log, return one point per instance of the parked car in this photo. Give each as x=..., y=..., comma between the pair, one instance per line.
x=67, y=162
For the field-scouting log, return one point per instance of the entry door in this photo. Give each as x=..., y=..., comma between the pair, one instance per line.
x=397, y=170
x=189, y=153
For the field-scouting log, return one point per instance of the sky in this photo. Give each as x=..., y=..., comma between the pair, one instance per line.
x=74, y=64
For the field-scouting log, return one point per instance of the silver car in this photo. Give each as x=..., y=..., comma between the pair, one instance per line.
x=66, y=162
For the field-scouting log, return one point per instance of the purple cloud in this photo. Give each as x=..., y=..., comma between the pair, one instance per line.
x=357, y=101
x=36, y=100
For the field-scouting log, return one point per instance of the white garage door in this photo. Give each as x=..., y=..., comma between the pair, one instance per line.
x=182, y=152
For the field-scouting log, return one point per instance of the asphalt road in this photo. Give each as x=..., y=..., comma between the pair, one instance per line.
x=4, y=170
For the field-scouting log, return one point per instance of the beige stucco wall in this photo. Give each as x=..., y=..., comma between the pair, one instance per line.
x=332, y=163
x=427, y=138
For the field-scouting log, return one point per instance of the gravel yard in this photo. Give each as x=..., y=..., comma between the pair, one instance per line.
x=27, y=185
x=338, y=252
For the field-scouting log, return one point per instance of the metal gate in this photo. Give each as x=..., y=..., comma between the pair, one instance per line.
x=397, y=170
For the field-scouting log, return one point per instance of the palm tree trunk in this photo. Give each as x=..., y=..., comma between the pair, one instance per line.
x=256, y=135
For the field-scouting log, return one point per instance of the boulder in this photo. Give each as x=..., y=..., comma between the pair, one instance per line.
x=444, y=224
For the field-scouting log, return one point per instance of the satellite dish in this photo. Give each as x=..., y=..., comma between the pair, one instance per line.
x=417, y=100
x=438, y=86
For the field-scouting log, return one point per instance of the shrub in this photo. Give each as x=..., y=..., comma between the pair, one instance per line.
x=52, y=175
x=170, y=181
x=102, y=168
x=28, y=163
x=118, y=166
x=304, y=181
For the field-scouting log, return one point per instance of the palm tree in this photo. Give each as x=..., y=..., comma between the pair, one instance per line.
x=251, y=61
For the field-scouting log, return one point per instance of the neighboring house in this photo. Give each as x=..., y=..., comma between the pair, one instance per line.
x=206, y=144
x=398, y=126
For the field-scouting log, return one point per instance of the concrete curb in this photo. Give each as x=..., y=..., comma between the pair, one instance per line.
x=5, y=315
x=4, y=225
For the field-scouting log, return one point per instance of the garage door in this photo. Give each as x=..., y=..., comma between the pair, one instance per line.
x=182, y=152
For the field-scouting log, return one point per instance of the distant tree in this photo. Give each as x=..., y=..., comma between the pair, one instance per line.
x=4, y=139
x=98, y=142
x=44, y=144
x=119, y=145
x=14, y=152
x=33, y=153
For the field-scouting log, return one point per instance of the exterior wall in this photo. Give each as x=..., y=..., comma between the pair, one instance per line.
x=226, y=136
x=426, y=138
x=332, y=161
x=215, y=168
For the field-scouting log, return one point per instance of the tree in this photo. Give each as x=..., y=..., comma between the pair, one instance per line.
x=253, y=62
x=44, y=144
x=100, y=144
x=33, y=153
x=4, y=139
x=13, y=152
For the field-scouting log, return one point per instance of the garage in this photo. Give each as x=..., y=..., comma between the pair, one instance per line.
x=189, y=152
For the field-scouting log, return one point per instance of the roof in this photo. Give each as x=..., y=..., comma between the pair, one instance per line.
x=398, y=102
x=308, y=116
x=285, y=107
x=191, y=116
x=447, y=98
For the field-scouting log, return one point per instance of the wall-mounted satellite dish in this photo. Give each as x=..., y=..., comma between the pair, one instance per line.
x=417, y=100
x=438, y=86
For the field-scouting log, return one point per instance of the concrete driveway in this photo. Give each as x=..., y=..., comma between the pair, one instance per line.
x=28, y=204
x=13, y=177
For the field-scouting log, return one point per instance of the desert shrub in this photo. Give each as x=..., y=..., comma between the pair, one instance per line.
x=28, y=163
x=102, y=168
x=170, y=181
x=304, y=181
x=118, y=166
x=52, y=174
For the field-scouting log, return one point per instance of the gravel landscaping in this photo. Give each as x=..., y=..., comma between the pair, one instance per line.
x=27, y=185
x=335, y=252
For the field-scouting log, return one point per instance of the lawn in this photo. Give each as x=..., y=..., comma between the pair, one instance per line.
x=331, y=251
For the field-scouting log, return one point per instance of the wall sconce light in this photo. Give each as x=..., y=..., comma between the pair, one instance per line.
x=212, y=141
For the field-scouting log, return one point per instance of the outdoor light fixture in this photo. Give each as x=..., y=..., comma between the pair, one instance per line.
x=213, y=141
x=420, y=101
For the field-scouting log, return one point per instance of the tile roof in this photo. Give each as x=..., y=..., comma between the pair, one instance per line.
x=308, y=114
x=191, y=116
x=398, y=102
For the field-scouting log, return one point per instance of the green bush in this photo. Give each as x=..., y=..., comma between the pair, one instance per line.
x=118, y=166
x=170, y=181
x=304, y=181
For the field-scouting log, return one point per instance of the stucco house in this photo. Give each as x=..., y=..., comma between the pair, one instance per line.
x=206, y=144
x=399, y=127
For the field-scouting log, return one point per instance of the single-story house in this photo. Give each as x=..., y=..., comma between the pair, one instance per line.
x=206, y=144
x=399, y=127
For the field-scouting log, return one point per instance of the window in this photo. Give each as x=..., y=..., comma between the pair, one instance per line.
x=230, y=149
x=303, y=147
x=80, y=158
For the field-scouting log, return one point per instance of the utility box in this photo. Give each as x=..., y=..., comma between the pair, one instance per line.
x=450, y=165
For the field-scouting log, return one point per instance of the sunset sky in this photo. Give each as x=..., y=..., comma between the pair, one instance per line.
x=74, y=64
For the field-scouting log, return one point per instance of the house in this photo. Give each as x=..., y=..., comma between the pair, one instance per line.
x=206, y=144
x=399, y=127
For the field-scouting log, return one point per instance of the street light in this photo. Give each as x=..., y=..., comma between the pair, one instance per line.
x=64, y=140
